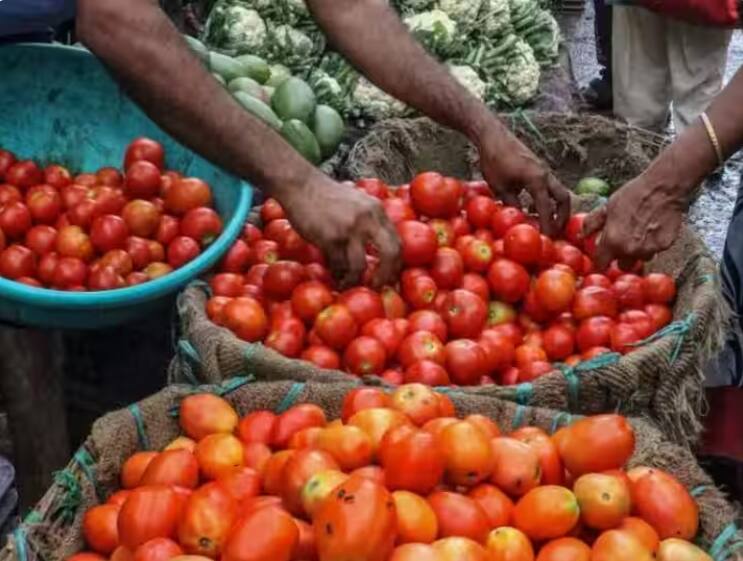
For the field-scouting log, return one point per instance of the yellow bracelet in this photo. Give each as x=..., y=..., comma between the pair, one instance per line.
x=713, y=137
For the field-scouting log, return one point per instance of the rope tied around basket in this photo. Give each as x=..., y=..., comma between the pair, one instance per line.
x=679, y=329
x=571, y=373
x=720, y=550
x=87, y=465
x=136, y=413
x=291, y=397
x=223, y=389
x=71, y=499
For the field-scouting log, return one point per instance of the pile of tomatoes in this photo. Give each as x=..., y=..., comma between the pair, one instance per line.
x=484, y=297
x=397, y=478
x=103, y=230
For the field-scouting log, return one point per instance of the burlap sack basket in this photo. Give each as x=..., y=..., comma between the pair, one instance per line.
x=52, y=531
x=662, y=380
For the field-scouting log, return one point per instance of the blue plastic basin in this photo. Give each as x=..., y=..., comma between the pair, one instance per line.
x=58, y=104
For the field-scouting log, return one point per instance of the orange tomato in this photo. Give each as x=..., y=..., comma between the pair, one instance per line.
x=241, y=483
x=172, y=467
x=419, y=402
x=416, y=520
x=636, y=473
x=318, y=487
x=181, y=443
x=617, y=545
x=87, y=556
x=516, y=468
x=437, y=426
x=256, y=503
x=458, y=515
x=118, y=498
x=349, y=445
x=596, y=444
x=526, y=354
x=258, y=426
x=218, y=454
x=460, y=549
x=358, y=521
x=294, y=420
x=553, y=472
x=546, y=512
x=205, y=414
x=411, y=459
x=121, y=553
x=488, y=426
x=497, y=505
x=273, y=476
x=375, y=473
x=375, y=422
x=565, y=549
x=642, y=531
x=604, y=500
x=267, y=534
x=149, y=512
x=305, y=438
x=415, y=552
x=468, y=454
x=256, y=456
x=134, y=468
x=159, y=549
x=363, y=398
x=674, y=549
x=446, y=405
x=509, y=544
x=306, y=549
x=100, y=528
x=665, y=504
x=206, y=520
x=298, y=469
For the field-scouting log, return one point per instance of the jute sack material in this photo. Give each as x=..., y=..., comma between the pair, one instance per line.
x=662, y=379
x=52, y=531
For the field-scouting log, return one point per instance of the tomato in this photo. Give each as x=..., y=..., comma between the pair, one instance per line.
x=447, y=268
x=658, y=288
x=376, y=422
x=273, y=472
x=477, y=256
x=118, y=498
x=109, y=232
x=142, y=218
x=466, y=361
x=363, y=398
x=546, y=512
x=309, y=299
x=427, y=372
x=226, y=284
x=15, y=219
x=245, y=317
x=17, y=261
x=319, y=487
x=202, y=224
x=496, y=505
x=336, y=326
x=7, y=159
x=394, y=305
x=158, y=549
x=281, y=278
x=237, y=259
x=674, y=549
x=555, y=289
x=597, y=443
x=594, y=332
x=574, y=229
x=660, y=315
x=411, y=460
x=106, y=176
x=134, y=467
x=374, y=187
x=187, y=194
x=305, y=438
x=271, y=210
x=295, y=419
x=143, y=148
x=459, y=516
x=565, y=549
x=218, y=454
x=643, y=531
x=559, y=342
x=362, y=527
x=174, y=468
x=206, y=520
x=468, y=453
x=419, y=243
x=267, y=533
x=149, y=512
x=505, y=218
x=517, y=469
x=205, y=414
x=417, y=401
x=522, y=243
x=664, y=503
x=419, y=290
x=375, y=473
x=509, y=281
x=526, y=354
x=640, y=321
x=322, y=357
x=9, y=194
x=628, y=290
x=594, y=301
x=157, y=270
x=142, y=180
x=604, y=500
x=534, y=370
x=157, y=251
x=398, y=210
x=552, y=470
x=509, y=544
x=119, y=260
x=100, y=528
x=569, y=255
x=181, y=443
x=480, y=210
x=384, y=331
x=348, y=445
x=623, y=337
x=24, y=174
x=44, y=206
x=460, y=549
x=436, y=196
x=617, y=545
x=416, y=520
x=363, y=303
x=465, y=314
x=421, y=345
x=299, y=468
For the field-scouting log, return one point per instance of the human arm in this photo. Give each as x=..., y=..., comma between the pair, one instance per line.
x=370, y=34
x=644, y=216
x=151, y=61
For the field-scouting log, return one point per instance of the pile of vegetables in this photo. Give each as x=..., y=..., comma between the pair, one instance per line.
x=483, y=298
x=495, y=48
x=104, y=230
x=396, y=478
x=284, y=102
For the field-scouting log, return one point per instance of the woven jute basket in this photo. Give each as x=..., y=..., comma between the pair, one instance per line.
x=662, y=379
x=52, y=531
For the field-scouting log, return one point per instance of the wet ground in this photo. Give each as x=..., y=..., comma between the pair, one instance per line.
x=710, y=214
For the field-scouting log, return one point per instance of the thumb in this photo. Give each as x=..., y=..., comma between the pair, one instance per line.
x=594, y=222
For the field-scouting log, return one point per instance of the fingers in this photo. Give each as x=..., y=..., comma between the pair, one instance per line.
x=561, y=196
x=604, y=255
x=595, y=221
x=544, y=206
x=337, y=261
x=356, y=259
x=508, y=197
x=387, y=242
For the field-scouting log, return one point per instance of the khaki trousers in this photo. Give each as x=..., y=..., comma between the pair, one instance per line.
x=663, y=65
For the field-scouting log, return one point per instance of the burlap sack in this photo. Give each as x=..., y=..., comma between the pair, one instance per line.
x=52, y=531
x=662, y=379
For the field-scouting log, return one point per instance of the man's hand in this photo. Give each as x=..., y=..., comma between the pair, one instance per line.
x=341, y=221
x=510, y=167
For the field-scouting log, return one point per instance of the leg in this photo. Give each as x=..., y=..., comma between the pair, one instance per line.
x=602, y=28
x=697, y=57
x=641, y=77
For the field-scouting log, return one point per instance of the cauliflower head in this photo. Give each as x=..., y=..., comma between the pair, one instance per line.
x=517, y=81
x=496, y=18
x=463, y=12
x=235, y=27
x=435, y=29
x=370, y=101
x=470, y=79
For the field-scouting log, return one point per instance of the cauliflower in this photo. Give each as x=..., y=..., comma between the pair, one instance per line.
x=293, y=48
x=435, y=29
x=292, y=40
x=516, y=80
x=412, y=6
x=496, y=18
x=463, y=12
x=235, y=27
x=470, y=79
x=544, y=38
x=374, y=103
x=328, y=90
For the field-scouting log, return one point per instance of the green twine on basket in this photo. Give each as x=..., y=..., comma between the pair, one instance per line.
x=697, y=491
x=234, y=384
x=717, y=550
x=250, y=349
x=21, y=545
x=72, y=496
x=85, y=461
x=291, y=397
x=518, y=418
x=679, y=329
x=704, y=279
x=33, y=517
x=136, y=413
x=573, y=384
x=558, y=420
x=524, y=393
x=190, y=358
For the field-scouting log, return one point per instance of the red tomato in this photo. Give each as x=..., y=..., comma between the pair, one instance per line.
x=202, y=224
x=477, y=284
x=499, y=349
x=364, y=356
x=104, y=277
x=427, y=372
x=24, y=174
x=553, y=471
x=265, y=251
x=281, y=278
x=142, y=180
x=569, y=255
x=100, y=530
x=246, y=318
x=574, y=229
x=226, y=284
x=15, y=219
x=504, y=218
x=287, y=337
x=459, y=516
x=444, y=232
x=640, y=321
x=158, y=549
x=144, y=149
x=594, y=301
x=271, y=210
x=44, y=206
x=594, y=332
x=72, y=241
x=109, y=232
x=559, y=343
x=419, y=291
x=460, y=226
x=555, y=289
x=398, y=210
x=596, y=279
x=465, y=314
x=428, y=320
x=142, y=218
x=394, y=305
x=411, y=460
x=447, y=268
x=660, y=315
x=266, y=533
x=148, y=513
x=186, y=194
x=182, y=250
x=7, y=159
x=622, y=337
x=384, y=331
x=363, y=398
x=421, y=345
x=509, y=281
x=309, y=299
x=628, y=290
x=477, y=256
x=466, y=361
x=480, y=210
x=336, y=326
x=40, y=239
x=9, y=194
x=419, y=243
x=363, y=303
x=522, y=243
x=322, y=357
x=297, y=418
x=659, y=288
x=534, y=370
x=157, y=269
x=436, y=196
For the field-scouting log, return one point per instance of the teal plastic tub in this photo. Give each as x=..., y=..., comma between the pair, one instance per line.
x=58, y=104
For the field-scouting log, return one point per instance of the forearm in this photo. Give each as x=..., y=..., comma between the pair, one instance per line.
x=149, y=58
x=374, y=39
